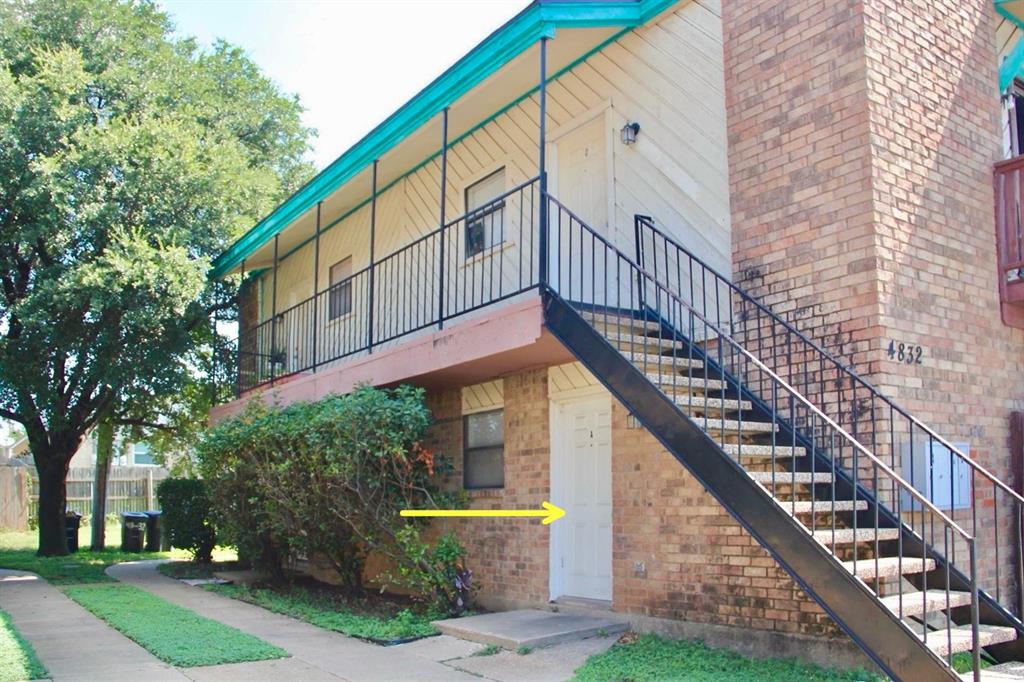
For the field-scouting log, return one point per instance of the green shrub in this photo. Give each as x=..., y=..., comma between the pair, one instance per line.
x=185, y=507
x=329, y=478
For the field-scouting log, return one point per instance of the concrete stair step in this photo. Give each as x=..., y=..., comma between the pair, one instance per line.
x=715, y=426
x=959, y=638
x=917, y=603
x=692, y=383
x=528, y=628
x=664, y=364
x=767, y=478
x=620, y=322
x=889, y=567
x=756, y=450
x=1011, y=671
x=820, y=506
x=700, y=404
x=846, y=536
x=633, y=343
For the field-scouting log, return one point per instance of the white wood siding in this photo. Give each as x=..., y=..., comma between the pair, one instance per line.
x=667, y=75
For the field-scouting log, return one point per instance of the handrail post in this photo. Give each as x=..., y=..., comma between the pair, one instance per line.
x=440, y=236
x=273, y=311
x=542, y=142
x=976, y=650
x=373, y=236
x=638, y=221
x=316, y=285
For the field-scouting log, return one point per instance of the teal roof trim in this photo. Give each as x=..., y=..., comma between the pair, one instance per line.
x=538, y=20
x=1011, y=66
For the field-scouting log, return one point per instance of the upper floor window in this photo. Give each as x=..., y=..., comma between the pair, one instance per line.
x=339, y=301
x=485, y=214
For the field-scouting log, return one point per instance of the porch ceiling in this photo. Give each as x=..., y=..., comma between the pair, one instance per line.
x=499, y=72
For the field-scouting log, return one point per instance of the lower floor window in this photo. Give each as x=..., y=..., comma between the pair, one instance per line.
x=483, y=462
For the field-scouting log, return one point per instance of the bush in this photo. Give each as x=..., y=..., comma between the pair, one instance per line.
x=330, y=478
x=185, y=507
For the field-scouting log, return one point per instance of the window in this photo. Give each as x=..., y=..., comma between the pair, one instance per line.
x=485, y=217
x=141, y=455
x=340, y=297
x=483, y=461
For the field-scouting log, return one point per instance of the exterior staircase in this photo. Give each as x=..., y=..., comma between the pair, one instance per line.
x=816, y=485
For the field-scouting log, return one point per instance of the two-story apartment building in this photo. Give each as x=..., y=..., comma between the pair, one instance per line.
x=736, y=284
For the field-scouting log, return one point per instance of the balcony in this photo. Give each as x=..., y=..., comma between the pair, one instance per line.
x=1009, y=193
x=487, y=256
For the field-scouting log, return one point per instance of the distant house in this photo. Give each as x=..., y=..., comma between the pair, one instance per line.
x=703, y=275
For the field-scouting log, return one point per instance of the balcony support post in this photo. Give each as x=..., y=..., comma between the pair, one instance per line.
x=316, y=286
x=373, y=238
x=542, y=143
x=441, y=262
x=273, y=312
x=241, y=331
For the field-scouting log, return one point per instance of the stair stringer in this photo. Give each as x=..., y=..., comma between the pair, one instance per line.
x=845, y=598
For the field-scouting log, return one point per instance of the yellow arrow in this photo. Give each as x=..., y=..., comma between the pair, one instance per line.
x=550, y=512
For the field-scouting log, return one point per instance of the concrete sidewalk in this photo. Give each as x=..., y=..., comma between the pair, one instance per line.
x=325, y=655
x=71, y=642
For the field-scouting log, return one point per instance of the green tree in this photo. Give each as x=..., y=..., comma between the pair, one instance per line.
x=128, y=158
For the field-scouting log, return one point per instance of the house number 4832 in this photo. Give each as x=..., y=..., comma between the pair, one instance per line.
x=905, y=352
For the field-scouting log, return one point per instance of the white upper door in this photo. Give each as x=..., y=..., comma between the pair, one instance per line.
x=582, y=485
x=582, y=186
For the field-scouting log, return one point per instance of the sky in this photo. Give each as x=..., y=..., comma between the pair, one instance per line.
x=351, y=62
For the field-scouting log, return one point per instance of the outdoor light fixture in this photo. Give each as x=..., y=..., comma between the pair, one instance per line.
x=629, y=132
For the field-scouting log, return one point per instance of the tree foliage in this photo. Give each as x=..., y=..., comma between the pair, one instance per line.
x=128, y=159
x=329, y=478
x=186, y=517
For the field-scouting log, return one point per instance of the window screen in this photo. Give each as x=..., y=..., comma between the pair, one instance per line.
x=484, y=454
x=340, y=298
x=485, y=217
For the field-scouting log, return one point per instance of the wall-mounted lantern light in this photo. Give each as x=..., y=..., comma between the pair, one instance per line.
x=629, y=132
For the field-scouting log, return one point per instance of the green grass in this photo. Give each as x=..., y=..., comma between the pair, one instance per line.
x=18, y=551
x=488, y=650
x=172, y=633
x=17, y=659
x=653, y=659
x=357, y=618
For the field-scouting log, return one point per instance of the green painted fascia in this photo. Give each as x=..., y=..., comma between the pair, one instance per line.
x=1011, y=66
x=538, y=20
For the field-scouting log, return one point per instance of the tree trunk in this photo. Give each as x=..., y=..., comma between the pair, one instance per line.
x=53, y=473
x=104, y=455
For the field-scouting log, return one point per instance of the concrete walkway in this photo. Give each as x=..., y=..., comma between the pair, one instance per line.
x=71, y=642
x=318, y=654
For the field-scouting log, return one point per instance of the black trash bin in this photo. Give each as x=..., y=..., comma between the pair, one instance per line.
x=72, y=520
x=153, y=530
x=133, y=530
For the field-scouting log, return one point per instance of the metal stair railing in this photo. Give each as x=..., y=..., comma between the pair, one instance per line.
x=875, y=420
x=595, y=277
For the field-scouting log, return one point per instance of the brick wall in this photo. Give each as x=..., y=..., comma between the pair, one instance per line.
x=701, y=566
x=508, y=557
x=861, y=140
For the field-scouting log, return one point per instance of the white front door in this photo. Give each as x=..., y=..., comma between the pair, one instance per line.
x=582, y=185
x=581, y=483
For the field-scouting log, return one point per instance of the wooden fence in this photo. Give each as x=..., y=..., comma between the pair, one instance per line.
x=14, y=497
x=129, y=488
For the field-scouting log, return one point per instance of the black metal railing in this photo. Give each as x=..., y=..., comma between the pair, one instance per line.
x=713, y=378
x=939, y=469
x=425, y=283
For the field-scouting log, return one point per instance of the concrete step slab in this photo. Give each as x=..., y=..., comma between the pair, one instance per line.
x=528, y=628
